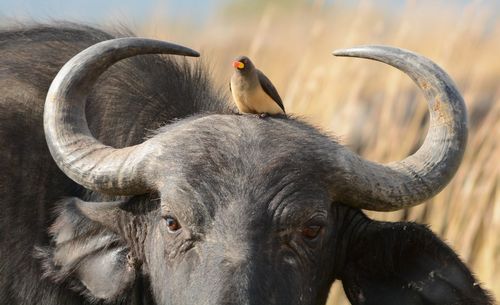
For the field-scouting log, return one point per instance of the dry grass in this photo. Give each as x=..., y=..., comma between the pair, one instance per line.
x=373, y=108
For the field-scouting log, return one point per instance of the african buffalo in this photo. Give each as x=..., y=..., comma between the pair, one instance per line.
x=135, y=183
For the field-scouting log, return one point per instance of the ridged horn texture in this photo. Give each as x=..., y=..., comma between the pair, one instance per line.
x=397, y=185
x=77, y=153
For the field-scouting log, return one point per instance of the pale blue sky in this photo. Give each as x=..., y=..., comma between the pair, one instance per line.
x=99, y=10
x=135, y=12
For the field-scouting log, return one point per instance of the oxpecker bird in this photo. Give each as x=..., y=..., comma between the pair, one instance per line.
x=252, y=91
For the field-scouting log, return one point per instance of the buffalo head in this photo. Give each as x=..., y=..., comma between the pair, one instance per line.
x=233, y=209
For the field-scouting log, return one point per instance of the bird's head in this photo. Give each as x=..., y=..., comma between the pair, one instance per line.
x=242, y=63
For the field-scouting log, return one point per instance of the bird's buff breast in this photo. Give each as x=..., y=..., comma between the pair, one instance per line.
x=255, y=101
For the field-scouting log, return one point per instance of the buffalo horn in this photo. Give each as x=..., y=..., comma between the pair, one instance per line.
x=393, y=186
x=77, y=153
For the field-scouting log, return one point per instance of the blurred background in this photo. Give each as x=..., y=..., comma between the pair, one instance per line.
x=374, y=109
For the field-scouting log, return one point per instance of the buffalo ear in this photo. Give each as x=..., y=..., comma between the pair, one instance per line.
x=405, y=263
x=87, y=250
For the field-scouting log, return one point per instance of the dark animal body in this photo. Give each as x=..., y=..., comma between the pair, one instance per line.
x=232, y=209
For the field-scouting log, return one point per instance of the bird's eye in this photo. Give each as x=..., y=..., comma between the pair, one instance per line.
x=172, y=224
x=311, y=231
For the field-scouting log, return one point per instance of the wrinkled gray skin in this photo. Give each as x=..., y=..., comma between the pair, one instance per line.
x=246, y=194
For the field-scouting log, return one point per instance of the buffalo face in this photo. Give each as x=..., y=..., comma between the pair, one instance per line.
x=249, y=223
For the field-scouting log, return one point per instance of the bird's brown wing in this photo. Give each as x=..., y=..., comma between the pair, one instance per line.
x=268, y=87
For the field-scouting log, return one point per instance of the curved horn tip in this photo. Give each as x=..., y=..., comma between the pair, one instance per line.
x=163, y=46
x=362, y=50
x=176, y=49
x=341, y=52
x=181, y=50
x=192, y=53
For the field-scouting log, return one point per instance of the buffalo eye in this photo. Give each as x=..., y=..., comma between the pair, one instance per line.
x=172, y=224
x=311, y=231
